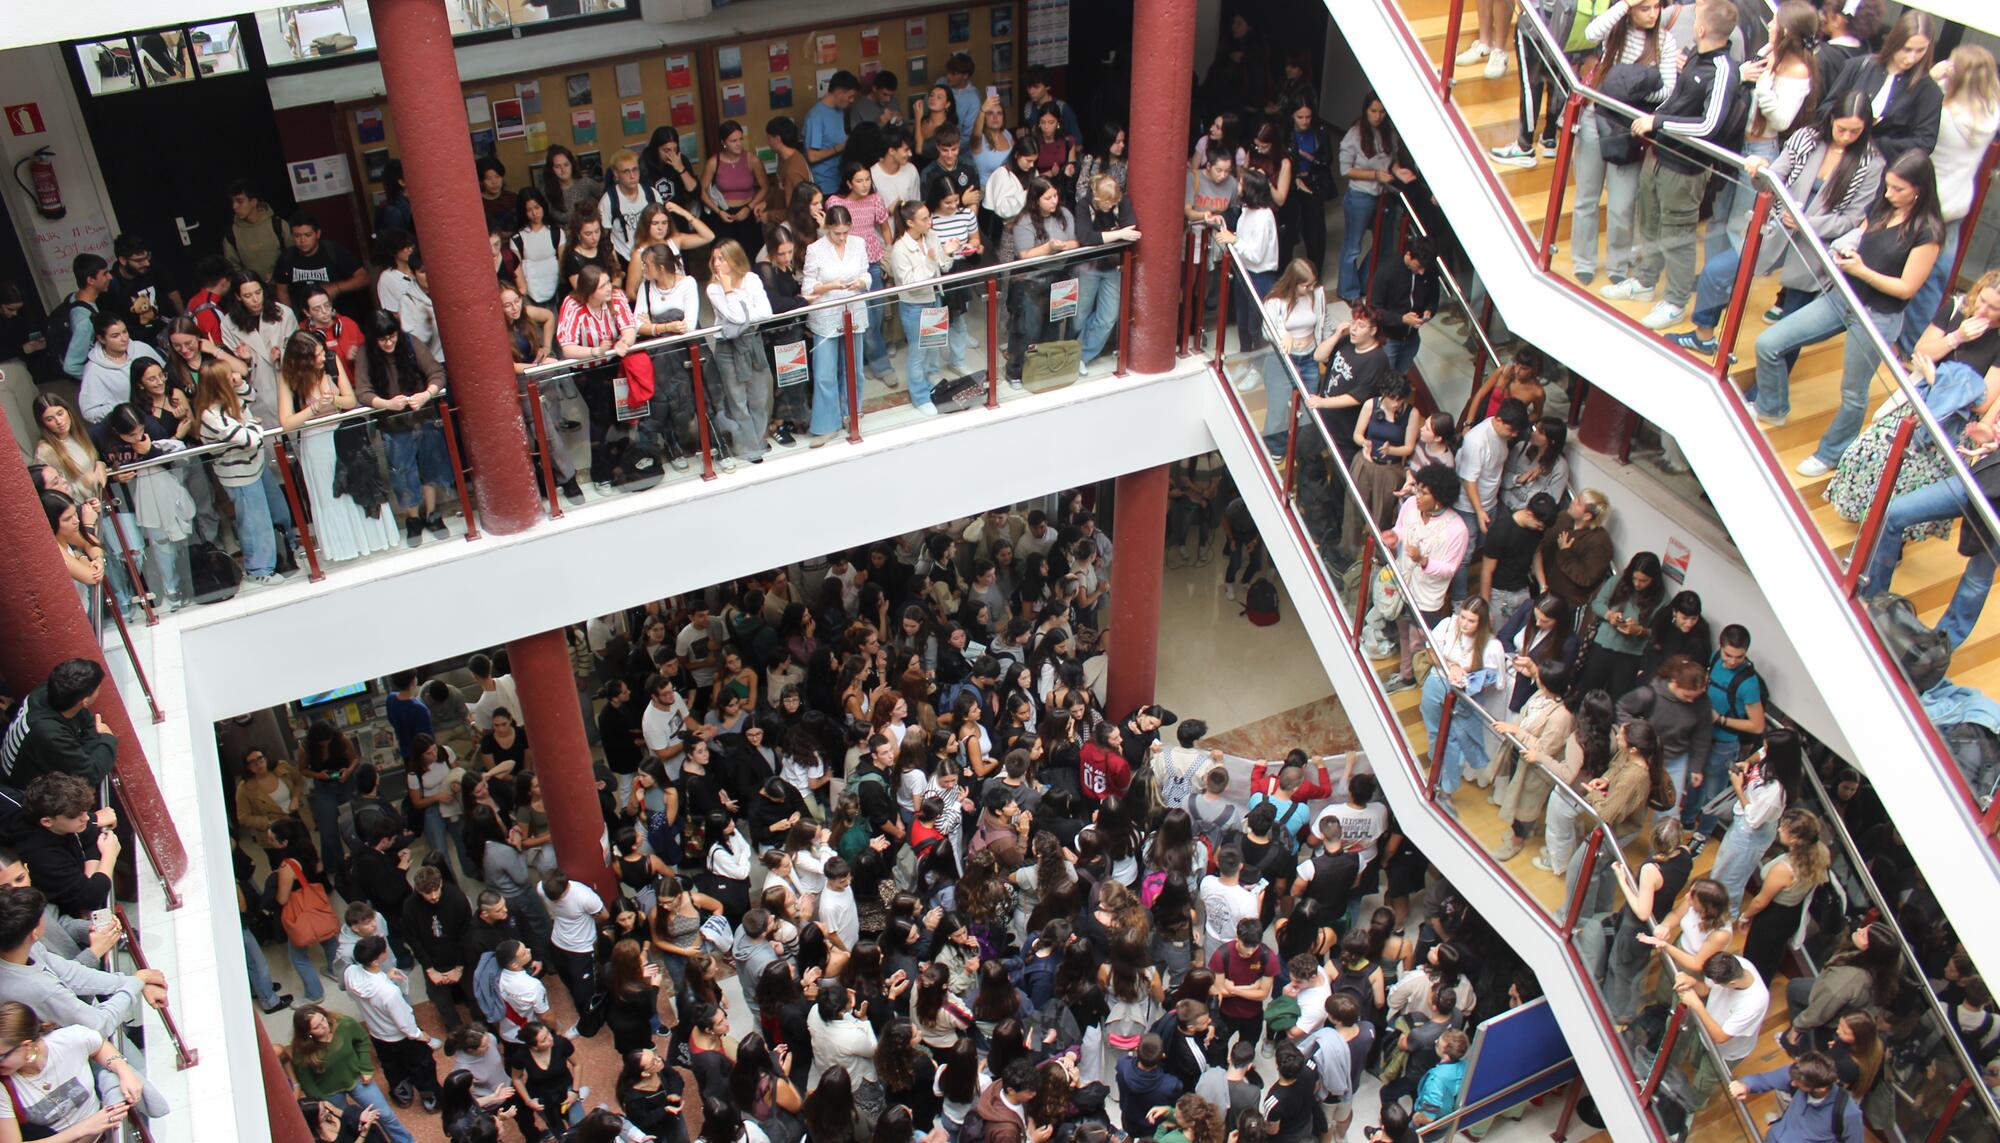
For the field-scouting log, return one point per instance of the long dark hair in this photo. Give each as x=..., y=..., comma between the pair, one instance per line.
x=1796, y=27
x=1882, y=961
x=1254, y=190
x=1375, y=141
x=1037, y=188
x=1106, y=138
x=241, y=317
x=1848, y=105
x=1614, y=45
x=829, y=1107
x=402, y=360
x=1911, y=23
x=551, y=186
x=1925, y=220
x=1594, y=712
x=1648, y=600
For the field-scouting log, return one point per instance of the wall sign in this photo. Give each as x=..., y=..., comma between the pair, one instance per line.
x=24, y=119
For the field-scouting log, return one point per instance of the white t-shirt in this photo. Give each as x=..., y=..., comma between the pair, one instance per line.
x=436, y=777
x=1366, y=824
x=524, y=994
x=64, y=1093
x=662, y=728
x=1224, y=905
x=901, y=187
x=838, y=911
x=697, y=642
x=1740, y=1012
x=573, y=917
x=503, y=695
x=1312, y=1006
x=1482, y=457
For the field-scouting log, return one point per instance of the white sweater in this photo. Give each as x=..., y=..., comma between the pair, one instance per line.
x=1961, y=143
x=1257, y=240
x=383, y=1006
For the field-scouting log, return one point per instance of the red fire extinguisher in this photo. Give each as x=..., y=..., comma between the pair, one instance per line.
x=48, y=193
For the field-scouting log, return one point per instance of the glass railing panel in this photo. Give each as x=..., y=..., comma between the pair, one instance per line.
x=1689, y=1089
x=366, y=486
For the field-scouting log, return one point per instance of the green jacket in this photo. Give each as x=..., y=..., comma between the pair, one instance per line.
x=42, y=741
x=1609, y=637
x=349, y=1057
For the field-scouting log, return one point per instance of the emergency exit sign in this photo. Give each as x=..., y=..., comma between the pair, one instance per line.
x=24, y=118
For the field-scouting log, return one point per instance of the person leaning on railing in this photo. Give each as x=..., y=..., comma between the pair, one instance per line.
x=1966, y=127
x=62, y=990
x=1636, y=64
x=67, y=1084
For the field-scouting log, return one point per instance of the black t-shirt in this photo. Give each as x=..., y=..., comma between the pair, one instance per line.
x=331, y=262
x=1981, y=352
x=1291, y=1109
x=137, y=300
x=1356, y=375
x=615, y=725
x=549, y=1086
x=1513, y=547
x=1885, y=249
x=961, y=177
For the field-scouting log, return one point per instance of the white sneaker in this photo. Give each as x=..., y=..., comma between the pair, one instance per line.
x=1514, y=155
x=1773, y=422
x=1496, y=64
x=569, y=1033
x=1245, y=380
x=1663, y=315
x=927, y=409
x=271, y=580
x=1813, y=466
x=1082, y=367
x=1627, y=290
x=1229, y=592
x=1473, y=54
x=726, y=464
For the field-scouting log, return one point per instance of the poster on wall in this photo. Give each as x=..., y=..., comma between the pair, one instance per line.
x=868, y=70
x=1048, y=33
x=791, y=362
x=1674, y=560
x=781, y=92
x=632, y=117
x=577, y=87
x=681, y=108
x=871, y=41
x=781, y=56
x=477, y=110
x=628, y=80
x=530, y=95
x=826, y=48
x=916, y=34
x=537, y=137
x=509, y=120
x=823, y=76
x=374, y=162
x=1063, y=299
x=320, y=178
x=734, y=102
x=958, y=27
x=583, y=125
x=679, y=73
x=1002, y=21
x=729, y=63
x=368, y=125
x=484, y=143
x=1003, y=57
x=920, y=71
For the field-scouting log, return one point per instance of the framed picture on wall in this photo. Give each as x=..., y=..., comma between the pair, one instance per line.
x=373, y=161
x=781, y=92
x=590, y=165
x=1002, y=21
x=958, y=27
x=1003, y=58
x=920, y=72
x=577, y=87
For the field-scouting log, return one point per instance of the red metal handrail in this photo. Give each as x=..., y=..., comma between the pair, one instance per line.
x=1559, y=186
x=701, y=413
x=450, y=424
x=853, y=382
x=139, y=586
x=1451, y=33
x=992, y=344
x=184, y=1056
x=1181, y=319
x=132, y=653
x=145, y=841
x=1292, y=447
x=1959, y=1094
x=1443, y=736
x=1878, y=510
x=298, y=510
x=1573, y=907
x=1367, y=574
x=543, y=443
x=1222, y=292
x=1124, y=312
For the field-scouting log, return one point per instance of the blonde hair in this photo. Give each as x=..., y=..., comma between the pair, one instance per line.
x=1808, y=854
x=1600, y=508
x=1099, y=181
x=1972, y=84
x=620, y=157
x=732, y=253
x=215, y=388
x=51, y=449
x=1990, y=280
x=19, y=1024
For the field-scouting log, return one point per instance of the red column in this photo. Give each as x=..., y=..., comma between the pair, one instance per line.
x=420, y=73
x=1606, y=423
x=280, y=1103
x=1162, y=60
x=547, y=685
x=43, y=624
x=1138, y=562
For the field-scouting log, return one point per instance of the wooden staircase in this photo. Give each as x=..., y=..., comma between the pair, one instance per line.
x=1930, y=570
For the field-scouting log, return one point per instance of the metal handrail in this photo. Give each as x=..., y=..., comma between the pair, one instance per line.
x=1881, y=900
x=184, y=1056
x=890, y=291
x=1446, y=278
x=168, y=460
x=1491, y=1105
x=1814, y=246
x=1356, y=503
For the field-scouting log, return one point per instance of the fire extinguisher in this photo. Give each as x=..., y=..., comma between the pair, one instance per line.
x=48, y=193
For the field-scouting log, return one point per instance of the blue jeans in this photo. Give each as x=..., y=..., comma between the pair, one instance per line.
x=1714, y=780
x=1278, y=395
x=417, y=457
x=1926, y=505
x=1733, y=202
x=1357, y=210
x=369, y=1095
x=1249, y=305
x=829, y=381
x=1970, y=598
x=1677, y=773
x=438, y=830
x=1466, y=744
x=261, y=986
x=1819, y=320
x=1098, y=294
x=1741, y=851
x=254, y=530
x=326, y=798
x=308, y=975
x=1924, y=303
x=170, y=569
x=918, y=363
x=1401, y=352
x=1713, y=287
x=874, y=346
x=1473, y=538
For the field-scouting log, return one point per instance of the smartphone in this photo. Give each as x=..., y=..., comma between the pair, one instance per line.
x=100, y=918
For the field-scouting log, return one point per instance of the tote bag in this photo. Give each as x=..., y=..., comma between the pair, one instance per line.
x=308, y=915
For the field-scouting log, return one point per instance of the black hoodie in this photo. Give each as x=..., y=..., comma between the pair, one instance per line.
x=437, y=932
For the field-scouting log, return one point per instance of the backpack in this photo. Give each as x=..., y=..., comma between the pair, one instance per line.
x=277, y=231
x=1260, y=603
x=1281, y=829
x=56, y=328
x=308, y=914
x=1210, y=830
x=1731, y=708
x=1923, y=655
x=1332, y=884
x=1586, y=11
x=1177, y=786
x=216, y=576
x=486, y=989
x=1150, y=887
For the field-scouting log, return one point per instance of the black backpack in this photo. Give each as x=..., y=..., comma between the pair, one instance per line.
x=1260, y=603
x=1923, y=654
x=1731, y=706
x=216, y=576
x=55, y=328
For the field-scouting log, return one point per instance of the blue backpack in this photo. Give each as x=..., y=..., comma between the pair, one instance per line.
x=486, y=989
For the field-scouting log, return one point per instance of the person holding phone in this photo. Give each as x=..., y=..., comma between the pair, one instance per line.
x=1472, y=661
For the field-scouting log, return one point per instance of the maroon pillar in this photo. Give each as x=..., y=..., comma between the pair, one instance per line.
x=42, y=623
x=1162, y=60
x=1137, y=565
x=280, y=1103
x=420, y=73
x=547, y=685
x=1606, y=424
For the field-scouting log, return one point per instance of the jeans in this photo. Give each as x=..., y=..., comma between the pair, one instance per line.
x=1741, y=851
x=254, y=529
x=1466, y=743
x=919, y=364
x=1505, y=603
x=274, y=494
x=829, y=382
x=1278, y=395
x=1713, y=287
x=369, y=1095
x=742, y=402
x=171, y=578
x=1924, y=303
x=874, y=345
x=1098, y=294
x=1401, y=352
x=1669, y=208
x=1970, y=599
x=1559, y=842
x=1357, y=210
x=1929, y=504
x=1714, y=780
x=440, y=830
x=1594, y=177
x=1249, y=303
x=261, y=985
x=308, y=975
x=417, y=457
x=1733, y=202
x=1819, y=320
x=1677, y=772
x=326, y=798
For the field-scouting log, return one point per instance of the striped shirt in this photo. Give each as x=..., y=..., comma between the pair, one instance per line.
x=959, y=225
x=241, y=465
x=578, y=325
